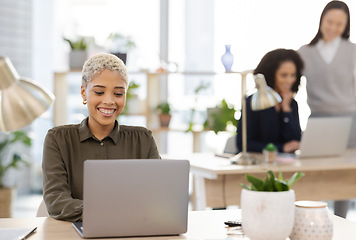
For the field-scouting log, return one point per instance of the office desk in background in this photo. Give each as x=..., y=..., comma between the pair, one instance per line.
x=201, y=225
x=217, y=181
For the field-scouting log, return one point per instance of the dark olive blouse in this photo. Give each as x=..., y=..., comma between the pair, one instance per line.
x=64, y=152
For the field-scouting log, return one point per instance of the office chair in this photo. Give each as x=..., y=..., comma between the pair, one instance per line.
x=230, y=146
x=42, y=210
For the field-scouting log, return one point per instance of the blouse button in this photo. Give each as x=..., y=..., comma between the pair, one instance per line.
x=101, y=144
x=286, y=120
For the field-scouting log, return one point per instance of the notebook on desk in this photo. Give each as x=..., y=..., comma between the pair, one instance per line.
x=124, y=198
x=325, y=136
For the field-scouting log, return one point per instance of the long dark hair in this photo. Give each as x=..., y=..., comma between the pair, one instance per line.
x=334, y=5
x=270, y=63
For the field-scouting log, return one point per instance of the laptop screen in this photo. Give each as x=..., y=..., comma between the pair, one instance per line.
x=325, y=136
x=135, y=197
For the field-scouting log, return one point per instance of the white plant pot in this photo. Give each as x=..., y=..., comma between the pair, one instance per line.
x=267, y=215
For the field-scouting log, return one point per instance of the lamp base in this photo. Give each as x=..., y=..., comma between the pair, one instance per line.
x=243, y=159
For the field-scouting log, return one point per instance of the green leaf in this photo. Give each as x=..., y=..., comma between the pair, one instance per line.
x=296, y=176
x=270, y=147
x=220, y=117
x=280, y=175
x=269, y=182
x=256, y=183
x=79, y=44
x=164, y=108
x=245, y=186
x=22, y=137
x=280, y=185
x=8, y=158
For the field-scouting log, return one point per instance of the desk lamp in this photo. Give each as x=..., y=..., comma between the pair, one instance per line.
x=265, y=97
x=21, y=100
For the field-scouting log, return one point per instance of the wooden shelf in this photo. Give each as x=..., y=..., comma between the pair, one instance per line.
x=156, y=85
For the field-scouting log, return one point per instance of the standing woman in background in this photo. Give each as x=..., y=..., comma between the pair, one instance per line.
x=331, y=72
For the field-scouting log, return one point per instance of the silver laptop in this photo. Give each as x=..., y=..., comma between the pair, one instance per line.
x=325, y=136
x=134, y=198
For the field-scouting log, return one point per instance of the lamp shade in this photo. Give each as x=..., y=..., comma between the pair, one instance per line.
x=21, y=100
x=265, y=97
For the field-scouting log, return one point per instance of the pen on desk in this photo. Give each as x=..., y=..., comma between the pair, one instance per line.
x=28, y=234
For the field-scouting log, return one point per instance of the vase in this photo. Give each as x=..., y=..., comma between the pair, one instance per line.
x=227, y=59
x=312, y=221
x=267, y=215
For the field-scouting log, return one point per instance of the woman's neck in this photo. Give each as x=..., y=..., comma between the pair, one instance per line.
x=100, y=131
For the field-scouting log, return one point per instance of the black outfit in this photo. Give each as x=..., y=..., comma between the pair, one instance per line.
x=269, y=126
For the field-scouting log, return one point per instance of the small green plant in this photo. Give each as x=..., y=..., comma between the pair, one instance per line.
x=271, y=183
x=5, y=147
x=79, y=44
x=270, y=147
x=164, y=108
x=220, y=117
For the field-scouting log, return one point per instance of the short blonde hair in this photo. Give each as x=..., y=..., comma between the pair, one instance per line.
x=98, y=63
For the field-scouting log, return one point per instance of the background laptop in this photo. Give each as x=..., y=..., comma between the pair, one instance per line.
x=134, y=198
x=325, y=136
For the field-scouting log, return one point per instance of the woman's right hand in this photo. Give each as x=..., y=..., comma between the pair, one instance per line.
x=287, y=97
x=291, y=146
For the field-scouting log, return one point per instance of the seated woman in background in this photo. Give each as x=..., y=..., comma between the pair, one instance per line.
x=280, y=124
x=99, y=136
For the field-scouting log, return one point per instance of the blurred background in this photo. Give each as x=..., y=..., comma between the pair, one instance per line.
x=173, y=50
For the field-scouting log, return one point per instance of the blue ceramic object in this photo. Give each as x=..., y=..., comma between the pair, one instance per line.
x=227, y=59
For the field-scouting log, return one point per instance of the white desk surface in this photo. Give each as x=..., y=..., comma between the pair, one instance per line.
x=201, y=225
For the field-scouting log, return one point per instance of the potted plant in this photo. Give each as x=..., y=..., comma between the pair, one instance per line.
x=270, y=153
x=164, y=113
x=220, y=117
x=10, y=158
x=268, y=206
x=120, y=45
x=78, y=54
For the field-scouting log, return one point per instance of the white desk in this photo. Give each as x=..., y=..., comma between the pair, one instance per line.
x=201, y=225
x=217, y=181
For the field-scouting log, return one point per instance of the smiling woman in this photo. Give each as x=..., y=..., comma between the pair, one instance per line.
x=99, y=136
x=105, y=96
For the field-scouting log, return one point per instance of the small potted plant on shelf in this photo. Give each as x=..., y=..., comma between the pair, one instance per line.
x=270, y=153
x=78, y=54
x=120, y=45
x=165, y=115
x=10, y=158
x=268, y=206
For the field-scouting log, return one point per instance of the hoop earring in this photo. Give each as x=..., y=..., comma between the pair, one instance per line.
x=85, y=102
